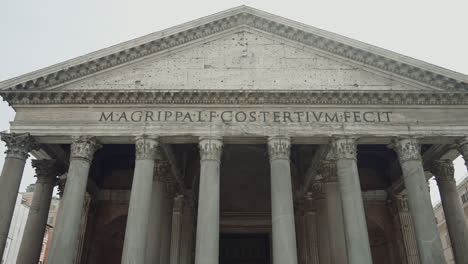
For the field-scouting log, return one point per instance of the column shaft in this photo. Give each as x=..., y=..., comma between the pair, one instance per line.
x=33, y=235
x=176, y=233
x=65, y=239
x=166, y=229
x=453, y=209
x=187, y=235
x=140, y=198
x=282, y=210
x=334, y=211
x=322, y=232
x=207, y=241
x=357, y=239
x=153, y=243
x=404, y=225
x=419, y=201
x=18, y=146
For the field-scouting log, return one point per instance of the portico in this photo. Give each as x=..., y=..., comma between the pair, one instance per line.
x=242, y=137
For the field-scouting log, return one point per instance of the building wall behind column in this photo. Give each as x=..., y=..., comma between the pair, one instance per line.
x=442, y=225
x=105, y=243
x=382, y=237
x=15, y=234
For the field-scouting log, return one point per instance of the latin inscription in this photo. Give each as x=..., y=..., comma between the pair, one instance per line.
x=233, y=116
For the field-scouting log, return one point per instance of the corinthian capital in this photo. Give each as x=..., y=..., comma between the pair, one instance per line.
x=327, y=169
x=344, y=148
x=146, y=148
x=47, y=170
x=279, y=147
x=407, y=148
x=462, y=146
x=210, y=148
x=443, y=170
x=18, y=145
x=83, y=147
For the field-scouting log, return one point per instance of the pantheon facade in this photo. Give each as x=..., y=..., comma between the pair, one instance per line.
x=238, y=138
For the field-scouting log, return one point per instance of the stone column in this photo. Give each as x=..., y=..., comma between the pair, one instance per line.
x=207, y=241
x=176, y=234
x=405, y=230
x=18, y=147
x=187, y=241
x=419, y=201
x=282, y=210
x=65, y=239
x=357, y=238
x=153, y=242
x=324, y=254
x=453, y=209
x=31, y=244
x=334, y=211
x=299, y=217
x=166, y=223
x=140, y=201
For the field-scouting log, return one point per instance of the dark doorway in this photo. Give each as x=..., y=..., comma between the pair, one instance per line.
x=244, y=249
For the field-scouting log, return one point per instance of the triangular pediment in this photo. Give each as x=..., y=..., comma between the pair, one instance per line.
x=241, y=48
x=242, y=59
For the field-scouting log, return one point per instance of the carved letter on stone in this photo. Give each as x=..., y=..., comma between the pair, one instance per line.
x=146, y=148
x=83, y=147
x=210, y=148
x=406, y=148
x=18, y=145
x=344, y=148
x=279, y=147
x=443, y=170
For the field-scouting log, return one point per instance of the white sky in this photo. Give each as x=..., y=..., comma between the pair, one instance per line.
x=35, y=34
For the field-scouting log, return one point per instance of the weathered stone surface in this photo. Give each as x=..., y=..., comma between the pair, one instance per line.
x=244, y=59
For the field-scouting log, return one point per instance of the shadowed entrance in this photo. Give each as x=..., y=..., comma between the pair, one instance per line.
x=244, y=249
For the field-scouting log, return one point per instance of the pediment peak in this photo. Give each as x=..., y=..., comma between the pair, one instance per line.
x=368, y=55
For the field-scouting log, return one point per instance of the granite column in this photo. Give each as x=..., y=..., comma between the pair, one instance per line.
x=419, y=201
x=282, y=210
x=140, y=201
x=33, y=236
x=66, y=233
x=166, y=230
x=207, y=241
x=357, y=238
x=153, y=243
x=453, y=209
x=18, y=147
x=334, y=211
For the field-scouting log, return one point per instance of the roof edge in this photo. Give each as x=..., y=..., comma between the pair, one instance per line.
x=243, y=15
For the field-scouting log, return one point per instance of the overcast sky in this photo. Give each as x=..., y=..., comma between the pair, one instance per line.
x=35, y=34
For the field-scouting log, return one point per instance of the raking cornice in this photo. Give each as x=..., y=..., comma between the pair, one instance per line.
x=365, y=54
x=235, y=97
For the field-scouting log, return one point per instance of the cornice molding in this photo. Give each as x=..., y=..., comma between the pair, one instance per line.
x=327, y=42
x=242, y=97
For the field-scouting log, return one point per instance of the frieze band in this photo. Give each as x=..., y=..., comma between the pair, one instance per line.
x=230, y=116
